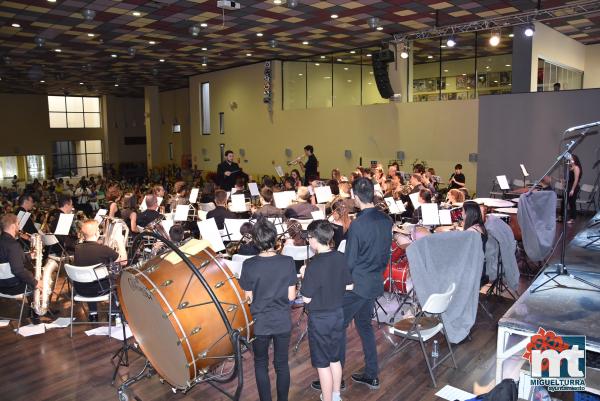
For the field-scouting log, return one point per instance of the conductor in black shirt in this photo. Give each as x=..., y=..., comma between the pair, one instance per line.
x=311, y=166
x=227, y=171
x=367, y=252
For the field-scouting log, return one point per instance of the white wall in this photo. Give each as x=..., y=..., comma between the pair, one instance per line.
x=553, y=46
x=591, y=77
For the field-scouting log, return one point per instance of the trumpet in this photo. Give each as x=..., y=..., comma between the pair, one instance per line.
x=295, y=161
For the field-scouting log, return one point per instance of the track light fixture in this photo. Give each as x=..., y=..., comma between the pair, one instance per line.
x=373, y=22
x=39, y=41
x=195, y=30
x=495, y=38
x=529, y=30
x=451, y=42
x=89, y=15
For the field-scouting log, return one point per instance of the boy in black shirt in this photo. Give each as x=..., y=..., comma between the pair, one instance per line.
x=325, y=281
x=457, y=180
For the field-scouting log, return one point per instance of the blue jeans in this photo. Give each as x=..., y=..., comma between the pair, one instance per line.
x=360, y=309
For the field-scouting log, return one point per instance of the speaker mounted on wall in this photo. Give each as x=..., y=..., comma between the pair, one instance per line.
x=473, y=157
x=380, y=62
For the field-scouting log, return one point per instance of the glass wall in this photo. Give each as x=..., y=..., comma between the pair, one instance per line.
x=8, y=167
x=77, y=158
x=74, y=112
x=334, y=80
x=36, y=167
x=470, y=68
x=550, y=74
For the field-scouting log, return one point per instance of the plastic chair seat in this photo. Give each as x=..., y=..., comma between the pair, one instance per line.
x=101, y=298
x=428, y=327
x=18, y=296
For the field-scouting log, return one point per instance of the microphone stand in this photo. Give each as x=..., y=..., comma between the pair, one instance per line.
x=561, y=268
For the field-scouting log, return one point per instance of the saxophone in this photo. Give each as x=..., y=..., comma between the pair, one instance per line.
x=116, y=234
x=41, y=298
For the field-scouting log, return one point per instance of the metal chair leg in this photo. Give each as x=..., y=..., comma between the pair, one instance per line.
x=109, y=313
x=427, y=360
x=21, y=312
x=449, y=347
x=72, y=302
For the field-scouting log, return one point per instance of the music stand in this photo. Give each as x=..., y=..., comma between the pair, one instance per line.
x=561, y=268
x=51, y=240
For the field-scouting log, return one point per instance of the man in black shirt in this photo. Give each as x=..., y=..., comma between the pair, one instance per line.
x=220, y=212
x=326, y=279
x=227, y=172
x=90, y=253
x=457, y=180
x=26, y=205
x=68, y=242
x=150, y=214
x=12, y=253
x=367, y=252
x=311, y=165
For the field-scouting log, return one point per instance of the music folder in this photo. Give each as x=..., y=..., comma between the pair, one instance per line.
x=503, y=182
x=524, y=170
x=64, y=224
x=430, y=214
x=253, y=187
x=210, y=232
x=194, y=195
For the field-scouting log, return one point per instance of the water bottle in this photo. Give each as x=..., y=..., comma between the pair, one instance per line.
x=435, y=350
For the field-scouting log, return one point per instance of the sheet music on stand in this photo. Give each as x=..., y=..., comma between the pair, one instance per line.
x=283, y=199
x=100, y=214
x=181, y=213
x=253, y=187
x=194, y=195
x=503, y=182
x=238, y=203
x=233, y=227
x=279, y=171
x=430, y=214
x=395, y=207
x=202, y=214
x=64, y=224
x=143, y=206
x=210, y=232
x=323, y=194
x=414, y=199
x=318, y=215
x=49, y=239
x=377, y=189
x=167, y=224
x=524, y=170
x=445, y=217
x=278, y=222
x=23, y=219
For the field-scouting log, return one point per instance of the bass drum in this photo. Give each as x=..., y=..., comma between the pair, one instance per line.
x=400, y=270
x=173, y=317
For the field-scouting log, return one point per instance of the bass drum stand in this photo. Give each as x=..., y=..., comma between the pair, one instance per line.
x=213, y=378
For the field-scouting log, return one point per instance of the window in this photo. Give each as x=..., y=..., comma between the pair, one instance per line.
x=8, y=167
x=221, y=123
x=550, y=73
x=36, y=167
x=205, y=105
x=77, y=158
x=74, y=112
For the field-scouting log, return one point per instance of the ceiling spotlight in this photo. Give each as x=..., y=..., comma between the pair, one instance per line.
x=162, y=60
x=380, y=28
x=339, y=60
x=136, y=13
x=89, y=15
x=113, y=55
x=369, y=55
x=57, y=50
x=529, y=30
x=334, y=16
x=116, y=84
x=259, y=34
x=293, y=3
x=151, y=42
x=352, y=51
x=317, y=64
x=430, y=57
x=273, y=43
x=204, y=25
x=204, y=49
x=42, y=81
x=131, y=51
x=194, y=30
x=511, y=35
x=277, y=2
x=15, y=25
x=81, y=83
x=404, y=54
x=495, y=38
x=305, y=43
x=373, y=22
x=450, y=42
x=39, y=41
x=51, y=1
x=91, y=35
x=248, y=54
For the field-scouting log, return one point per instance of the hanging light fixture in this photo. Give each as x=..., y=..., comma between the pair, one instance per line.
x=39, y=41
x=529, y=30
x=451, y=42
x=89, y=15
x=373, y=22
x=273, y=43
x=195, y=30
x=403, y=49
x=495, y=38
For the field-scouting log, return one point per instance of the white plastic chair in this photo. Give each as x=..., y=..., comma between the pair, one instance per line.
x=6, y=273
x=424, y=326
x=298, y=252
x=88, y=274
x=342, y=246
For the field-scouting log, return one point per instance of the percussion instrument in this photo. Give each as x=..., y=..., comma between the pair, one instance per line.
x=173, y=315
x=456, y=214
x=400, y=270
x=514, y=221
x=419, y=232
x=493, y=202
x=442, y=229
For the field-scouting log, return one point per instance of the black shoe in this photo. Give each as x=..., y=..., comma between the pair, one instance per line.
x=317, y=385
x=35, y=319
x=93, y=318
x=373, y=384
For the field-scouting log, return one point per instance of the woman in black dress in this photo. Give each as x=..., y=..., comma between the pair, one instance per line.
x=575, y=174
x=473, y=221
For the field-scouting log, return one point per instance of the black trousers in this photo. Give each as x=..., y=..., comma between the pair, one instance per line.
x=94, y=289
x=281, y=344
x=572, y=203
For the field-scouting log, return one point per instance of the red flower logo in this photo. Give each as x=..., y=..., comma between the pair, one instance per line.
x=542, y=341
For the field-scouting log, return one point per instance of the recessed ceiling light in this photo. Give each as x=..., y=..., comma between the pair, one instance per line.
x=151, y=42
x=300, y=74
x=57, y=50
x=136, y=13
x=349, y=81
x=352, y=51
x=91, y=35
x=203, y=64
x=445, y=70
x=495, y=82
x=113, y=55
x=443, y=46
x=204, y=49
x=305, y=42
x=81, y=83
x=334, y=16
x=204, y=25
x=370, y=72
x=317, y=64
x=15, y=25
x=430, y=56
x=487, y=67
x=511, y=35
x=51, y=1
x=507, y=65
x=326, y=77
x=345, y=68
x=380, y=28
x=322, y=56
x=277, y=2
x=339, y=60
x=464, y=74
x=248, y=54
x=162, y=60
x=116, y=84
x=42, y=81
x=369, y=83
x=259, y=34
x=369, y=55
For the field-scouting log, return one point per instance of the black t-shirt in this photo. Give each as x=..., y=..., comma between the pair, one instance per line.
x=325, y=281
x=147, y=217
x=29, y=226
x=310, y=169
x=338, y=235
x=460, y=178
x=92, y=253
x=269, y=279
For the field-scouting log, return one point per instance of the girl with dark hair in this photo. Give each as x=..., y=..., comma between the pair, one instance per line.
x=295, y=175
x=575, y=174
x=269, y=281
x=473, y=221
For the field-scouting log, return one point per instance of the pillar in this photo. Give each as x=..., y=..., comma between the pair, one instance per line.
x=153, y=125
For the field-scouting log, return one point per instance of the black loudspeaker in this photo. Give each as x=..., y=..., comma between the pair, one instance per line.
x=380, y=71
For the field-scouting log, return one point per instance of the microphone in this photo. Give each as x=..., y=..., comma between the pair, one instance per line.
x=580, y=134
x=577, y=128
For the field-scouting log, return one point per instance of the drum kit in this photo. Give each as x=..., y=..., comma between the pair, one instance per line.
x=188, y=314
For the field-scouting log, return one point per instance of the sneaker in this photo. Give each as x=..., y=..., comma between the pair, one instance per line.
x=339, y=399
x=316, y=385
x=373, y=384
x=93, y=317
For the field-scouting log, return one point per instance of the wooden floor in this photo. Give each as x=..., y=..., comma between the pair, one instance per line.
x=55, y=367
